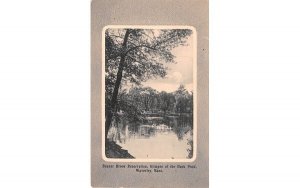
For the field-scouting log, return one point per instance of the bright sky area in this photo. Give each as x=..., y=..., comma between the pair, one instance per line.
x=179, y=73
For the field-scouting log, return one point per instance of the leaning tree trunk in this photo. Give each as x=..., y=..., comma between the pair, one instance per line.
x=113, y=102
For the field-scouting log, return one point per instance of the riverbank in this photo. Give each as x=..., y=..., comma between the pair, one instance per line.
x=113, y=150
x=171, y=114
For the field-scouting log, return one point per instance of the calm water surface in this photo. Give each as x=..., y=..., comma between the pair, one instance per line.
x=156, y=138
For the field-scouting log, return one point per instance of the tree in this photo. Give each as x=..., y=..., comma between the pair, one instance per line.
x=135, y=55
x=148, y=94
x=167, y=101
x=144, y=97
x=183, y=100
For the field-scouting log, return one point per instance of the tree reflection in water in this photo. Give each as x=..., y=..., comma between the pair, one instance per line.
x=153, y=128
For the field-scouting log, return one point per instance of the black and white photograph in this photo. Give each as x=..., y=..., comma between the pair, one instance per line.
x=149, y=88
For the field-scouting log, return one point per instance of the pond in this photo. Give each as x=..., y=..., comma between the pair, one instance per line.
x=156, y=137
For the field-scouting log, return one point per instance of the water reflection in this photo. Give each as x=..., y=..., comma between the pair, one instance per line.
x=156, y=137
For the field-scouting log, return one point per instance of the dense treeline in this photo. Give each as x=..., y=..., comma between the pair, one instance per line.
x=137, y=102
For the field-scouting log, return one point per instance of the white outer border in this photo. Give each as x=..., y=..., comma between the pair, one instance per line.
x=194, y=35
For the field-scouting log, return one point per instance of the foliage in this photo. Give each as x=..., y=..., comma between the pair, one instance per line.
x=190, y=150
x=184, y=101
x=148, y=100
x=146, y=51
x=136, y=55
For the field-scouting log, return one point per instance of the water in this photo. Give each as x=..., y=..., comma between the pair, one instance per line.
x=156, y=138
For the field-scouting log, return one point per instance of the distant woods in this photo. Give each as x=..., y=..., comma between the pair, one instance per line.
x=140, y=101
x=135, y=56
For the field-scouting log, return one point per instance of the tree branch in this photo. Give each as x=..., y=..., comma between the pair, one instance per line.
x=159, y=43
x=140, y=46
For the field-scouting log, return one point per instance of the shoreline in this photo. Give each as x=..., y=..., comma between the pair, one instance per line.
x=113, y=150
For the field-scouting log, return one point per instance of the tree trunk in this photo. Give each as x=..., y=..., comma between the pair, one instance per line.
x=113, y=102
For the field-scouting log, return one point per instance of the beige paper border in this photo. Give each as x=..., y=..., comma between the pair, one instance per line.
x=154, y=12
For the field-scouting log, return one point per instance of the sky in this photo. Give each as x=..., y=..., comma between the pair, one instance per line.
x=179, y=73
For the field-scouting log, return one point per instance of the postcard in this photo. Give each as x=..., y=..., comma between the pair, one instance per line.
x=149, y=93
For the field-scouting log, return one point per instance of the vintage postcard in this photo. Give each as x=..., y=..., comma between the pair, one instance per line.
x=149, y=95
x=148, y=88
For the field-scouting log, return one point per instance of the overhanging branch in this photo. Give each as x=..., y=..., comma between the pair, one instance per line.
x=140, y=46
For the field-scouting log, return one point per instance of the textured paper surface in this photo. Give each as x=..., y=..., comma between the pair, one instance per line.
x=144, y=12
